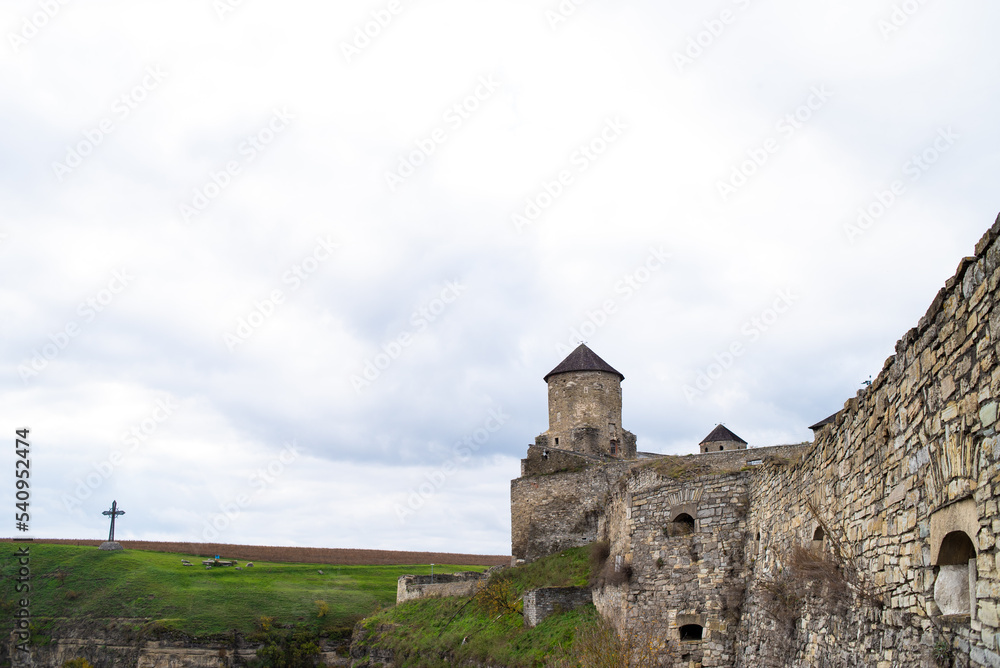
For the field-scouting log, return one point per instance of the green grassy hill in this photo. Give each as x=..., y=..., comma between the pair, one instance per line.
x=489, y=629
x=86, y=583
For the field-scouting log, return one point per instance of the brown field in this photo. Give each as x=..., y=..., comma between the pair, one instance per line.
x=308, y=555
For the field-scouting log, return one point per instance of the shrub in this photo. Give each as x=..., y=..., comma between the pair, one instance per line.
x=77, y=663
x=498, y=595
x=597, y=645
x=599, y=553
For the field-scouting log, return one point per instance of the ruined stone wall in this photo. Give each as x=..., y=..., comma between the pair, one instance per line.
x=540, y=603
x=912, y=458
x=679, y=574
x=410, y=587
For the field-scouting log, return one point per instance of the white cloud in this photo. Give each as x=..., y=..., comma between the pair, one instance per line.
x=655, y=185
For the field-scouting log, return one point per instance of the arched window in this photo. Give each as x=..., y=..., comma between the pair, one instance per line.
x=683, y=524
x=818, y=536
x=691, y=632
x=954, y=587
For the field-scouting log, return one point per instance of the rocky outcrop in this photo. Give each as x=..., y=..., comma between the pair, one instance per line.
x=127, y=643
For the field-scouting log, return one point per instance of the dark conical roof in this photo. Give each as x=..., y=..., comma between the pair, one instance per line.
x=720, y=433
x=583, y=359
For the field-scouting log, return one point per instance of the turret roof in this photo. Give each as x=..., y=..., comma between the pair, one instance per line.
x=583, y=359
x=720, y=433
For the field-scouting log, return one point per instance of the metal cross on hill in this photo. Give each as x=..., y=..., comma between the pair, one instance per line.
x=114, y=512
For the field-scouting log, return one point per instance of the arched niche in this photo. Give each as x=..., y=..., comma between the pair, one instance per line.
x=682, y=520
x=955, y=584
x=682, y=525
x=691, y=632
x=818, y=539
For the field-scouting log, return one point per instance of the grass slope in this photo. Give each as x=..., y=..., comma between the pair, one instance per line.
x=451, y=631
x=83, y=582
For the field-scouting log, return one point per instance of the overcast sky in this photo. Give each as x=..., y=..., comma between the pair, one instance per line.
x=292, y=273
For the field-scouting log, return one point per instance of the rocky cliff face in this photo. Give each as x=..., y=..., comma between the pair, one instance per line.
x=127, y=643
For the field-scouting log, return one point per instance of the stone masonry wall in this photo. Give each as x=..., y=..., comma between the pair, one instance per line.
x=559, y=498
x=914, y=457
x=550, y=513
x=410, y=587
x=680, y=574
x=540, y=603
x=584, y=399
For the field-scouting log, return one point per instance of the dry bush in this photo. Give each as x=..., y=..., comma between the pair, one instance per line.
x=811, y=574
x=607, y=571
x=497, y=595
x=599, y=646
x=599, y=553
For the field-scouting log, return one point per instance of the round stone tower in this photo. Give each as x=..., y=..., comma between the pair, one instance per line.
x=585, y=407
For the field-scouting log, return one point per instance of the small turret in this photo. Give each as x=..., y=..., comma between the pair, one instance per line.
x=722, y=439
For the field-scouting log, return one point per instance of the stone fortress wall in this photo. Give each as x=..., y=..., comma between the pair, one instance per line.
x=904, y=476
x=873, y=546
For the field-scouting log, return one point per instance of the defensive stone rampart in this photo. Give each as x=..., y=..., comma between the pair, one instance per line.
x=875, y=545
x=899, y=490
x=675, y=567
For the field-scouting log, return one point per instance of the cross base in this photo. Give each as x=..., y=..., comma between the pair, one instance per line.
x=111, y=546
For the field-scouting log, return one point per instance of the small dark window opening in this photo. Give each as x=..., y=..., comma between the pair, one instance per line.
x=683, y=524
x=691, y=632
x=557, y=440
x=614, y=447
x=721, y=448
x=545, y=454
x=818, y=534
x=956, y=549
